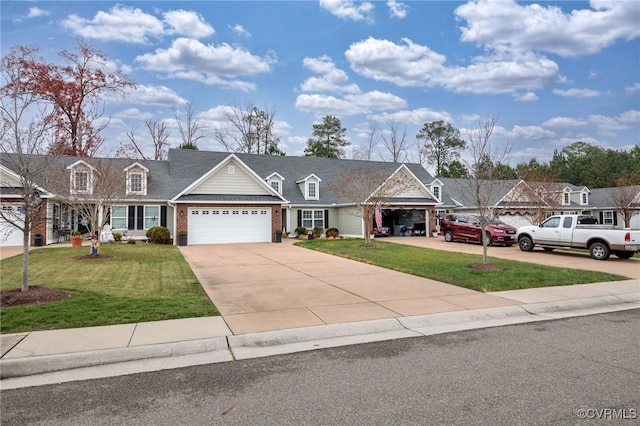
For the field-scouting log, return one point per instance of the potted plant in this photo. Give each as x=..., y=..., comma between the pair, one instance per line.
x=278, y=235
x=76, y=239
x=434, y=232
x=182, y=238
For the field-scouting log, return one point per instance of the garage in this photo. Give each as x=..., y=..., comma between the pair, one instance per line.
x=10, y=236
x=215, y=225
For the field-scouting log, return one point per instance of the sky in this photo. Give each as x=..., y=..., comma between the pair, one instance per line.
x=550, y=73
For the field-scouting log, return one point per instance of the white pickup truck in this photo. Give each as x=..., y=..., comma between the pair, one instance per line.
x=580, y=231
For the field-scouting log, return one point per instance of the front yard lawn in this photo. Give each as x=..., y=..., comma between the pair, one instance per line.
x=126, y=283
x=454, y=268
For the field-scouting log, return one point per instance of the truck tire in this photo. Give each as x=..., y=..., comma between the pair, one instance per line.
x=624, y=254
x=448, y=236
x=599, y=251
x=525, y=243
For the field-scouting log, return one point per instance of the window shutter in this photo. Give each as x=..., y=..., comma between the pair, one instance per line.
x=326, y=218
x=163, y=215
x=131, y=218
x=615, y=218
x=601, y=221
x=140, y=223
x=299, y=218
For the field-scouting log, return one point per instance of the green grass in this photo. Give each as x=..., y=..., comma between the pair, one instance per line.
x=126, y=283
x=454, y=268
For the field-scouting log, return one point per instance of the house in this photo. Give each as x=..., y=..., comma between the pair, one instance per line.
x=219, y=197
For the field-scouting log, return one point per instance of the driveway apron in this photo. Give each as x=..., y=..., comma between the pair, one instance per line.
x=265, y=286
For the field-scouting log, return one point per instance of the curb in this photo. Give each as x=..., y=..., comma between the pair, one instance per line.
x=27, y=366
x=270, y=343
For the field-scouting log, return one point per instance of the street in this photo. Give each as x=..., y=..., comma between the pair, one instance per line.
x=583, y=370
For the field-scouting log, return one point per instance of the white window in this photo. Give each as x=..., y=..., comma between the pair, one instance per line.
x=135, y=182
x=151, y=216
x=584, y=198
x=312, y=190
x=607, y=218
x=81, y=181
x=313, y=218
x=565, y=198
x=436, y=192
x=119, y=217
x=275, y=184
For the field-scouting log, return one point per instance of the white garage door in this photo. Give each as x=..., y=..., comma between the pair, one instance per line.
x=229, y=225
x=10, y=236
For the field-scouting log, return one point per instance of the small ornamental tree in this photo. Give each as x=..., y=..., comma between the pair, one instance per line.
x=369, y=190
x=25, y=132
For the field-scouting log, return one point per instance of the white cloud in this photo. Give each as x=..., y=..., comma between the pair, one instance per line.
x=396, y=9
x=210, y=64
x=633, y=88
x=530, y=132
x=121, y=23
x=352, y=104
x=347, y=9
x=564, y=122
x=410, y=64
x=332, y=79
x=155, y=95
x=535, y=27
x=187, y=23
x=474, y=118
x=239, y=30
x=525, y=97
x=577, y=93
x=133, y=114
x=626, y=120
x=417, y=116
x=36, y=12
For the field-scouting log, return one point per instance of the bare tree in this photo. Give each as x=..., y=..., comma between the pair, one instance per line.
x=365, y=152
x=103, y=188
x=250, y=131
x=159, y=134
x=369, y=190
x=26, y=128
x=482, y=189
x=394, y=141
x=625, y=197
x=191, y=128
x=539, y=194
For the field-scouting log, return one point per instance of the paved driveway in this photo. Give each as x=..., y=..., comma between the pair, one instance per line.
x=265, y=286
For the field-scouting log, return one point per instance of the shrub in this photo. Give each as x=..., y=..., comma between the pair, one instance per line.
x=131, y=241
x=159, y=235
x=317, y=231
x=301, y=230
x=332, y=232
x=117, y=236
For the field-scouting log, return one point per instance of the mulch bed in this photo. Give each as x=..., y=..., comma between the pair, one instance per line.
x=35, y=295
x=486, y=267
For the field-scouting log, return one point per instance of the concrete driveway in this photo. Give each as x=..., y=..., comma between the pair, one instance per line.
x=559, y=258
x=265, y=286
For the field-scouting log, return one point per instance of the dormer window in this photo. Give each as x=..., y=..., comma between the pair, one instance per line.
x=312, y=191
x=136, y=182
x=137, y=175
x=565, y=198
x=585, y=199
x=81, y=181
x=436, y=192
x=81, y=177
x=275, y=184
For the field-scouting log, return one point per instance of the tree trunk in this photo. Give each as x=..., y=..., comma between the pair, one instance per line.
x=25, y=259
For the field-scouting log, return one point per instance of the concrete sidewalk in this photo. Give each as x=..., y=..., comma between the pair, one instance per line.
x=45, y=357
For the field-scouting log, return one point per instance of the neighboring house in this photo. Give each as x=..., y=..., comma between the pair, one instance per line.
x=221, y=197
